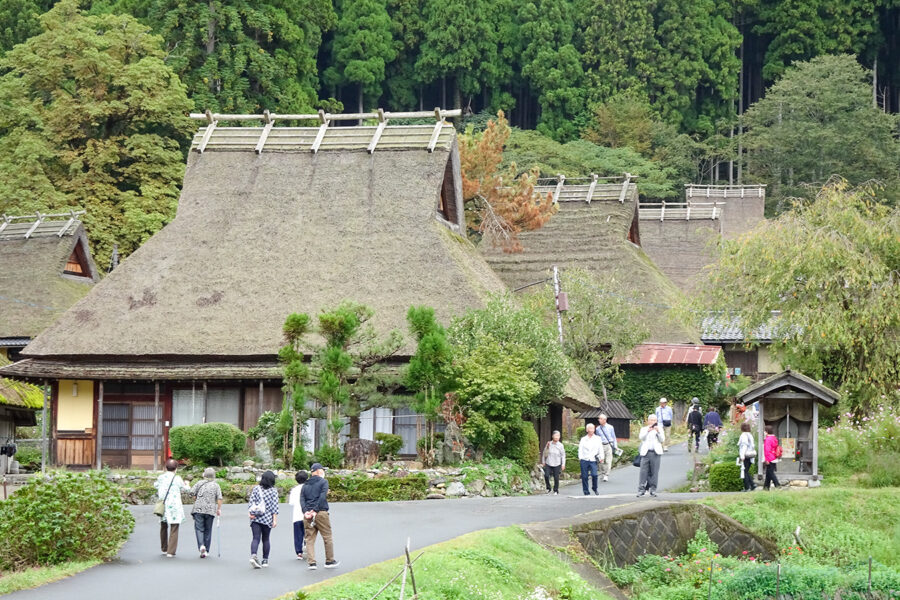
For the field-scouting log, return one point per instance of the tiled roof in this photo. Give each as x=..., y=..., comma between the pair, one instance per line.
x=672, y=354
x=614, y=409
x=14, y=342
x=722, y=328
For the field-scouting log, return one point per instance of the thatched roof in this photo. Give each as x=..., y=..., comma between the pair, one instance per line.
x=34, y=290
x=259, y=236
x=595, y=236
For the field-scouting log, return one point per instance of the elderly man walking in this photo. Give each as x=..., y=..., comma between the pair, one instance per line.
x=589, y=450
x=651, y=448
x=664, y=418
x=607, y=435
x=314, y=502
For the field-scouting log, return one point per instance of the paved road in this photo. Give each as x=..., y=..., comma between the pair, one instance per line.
x=365, y=533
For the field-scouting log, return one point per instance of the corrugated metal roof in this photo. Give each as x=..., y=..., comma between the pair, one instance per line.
x=613, y=409
x=302, y=139
x=672, y=354
x=721, y=328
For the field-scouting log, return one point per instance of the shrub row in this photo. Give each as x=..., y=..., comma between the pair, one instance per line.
x=360, y=488
x=206, y=443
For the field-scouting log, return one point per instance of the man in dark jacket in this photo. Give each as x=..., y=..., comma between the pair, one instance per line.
x=314, y=502
x=695, y=424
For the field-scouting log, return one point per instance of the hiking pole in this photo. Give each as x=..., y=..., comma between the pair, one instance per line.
x=219, y=535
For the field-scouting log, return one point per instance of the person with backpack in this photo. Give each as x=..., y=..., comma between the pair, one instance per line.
x=263, y=511
x=771, y=454
x=712, y=423
x=695, y=424
x=207, y=506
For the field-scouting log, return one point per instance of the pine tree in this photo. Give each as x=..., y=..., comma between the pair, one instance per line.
x=362, y=47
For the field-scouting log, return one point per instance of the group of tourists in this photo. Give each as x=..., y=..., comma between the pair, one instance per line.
x=595, y=456
x=747, y=455
x=309, y=500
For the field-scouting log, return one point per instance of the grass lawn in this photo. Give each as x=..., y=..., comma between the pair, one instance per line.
x=23, y=580
x=498, y=564
x=839, y=526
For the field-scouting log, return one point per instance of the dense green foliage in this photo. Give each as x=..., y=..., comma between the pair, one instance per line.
x=330, y=457
x=830, y=267
x=29, y=458
x=206, y=443
x=66, y=517
x=862, y=450
x=640, y=388
x=429, y=372
x=500, y=564
x=93, y=118
x=389, y=445
x=360, y=488
x=725, y=477
x=702, y=572
x=839, y=526
x=818, y=121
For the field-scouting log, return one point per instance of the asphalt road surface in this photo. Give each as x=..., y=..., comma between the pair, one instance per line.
x=364, y=533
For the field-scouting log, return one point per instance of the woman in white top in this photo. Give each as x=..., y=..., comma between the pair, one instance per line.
x=652, y=437
x=746, y=454
x=294, y=501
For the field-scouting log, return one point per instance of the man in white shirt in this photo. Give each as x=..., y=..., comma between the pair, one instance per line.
x=607, y=435
x=589, y=450
x=664, y=418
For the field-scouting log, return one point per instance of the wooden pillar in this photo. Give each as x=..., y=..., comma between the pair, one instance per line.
x=44, y=417
x=815, y=438
x=156, y=440
x=100, y=426
x=761, y=435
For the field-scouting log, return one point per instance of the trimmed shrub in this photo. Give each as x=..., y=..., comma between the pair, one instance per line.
x=389, y=445
x=70, y=516
x=359, y=488
x=329, y=456
x=725, y=477
x=207, y=442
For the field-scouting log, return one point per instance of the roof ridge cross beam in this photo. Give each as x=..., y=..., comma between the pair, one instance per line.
x=34, y=226
x=382, y=123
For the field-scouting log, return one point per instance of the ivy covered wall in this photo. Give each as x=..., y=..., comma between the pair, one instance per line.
x=641, y=386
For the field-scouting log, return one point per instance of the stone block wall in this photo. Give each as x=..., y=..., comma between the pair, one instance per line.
x=622, y=535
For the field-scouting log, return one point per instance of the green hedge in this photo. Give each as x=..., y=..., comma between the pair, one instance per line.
x=389, y=445
x=360, y=488
x=207, y=443
x=641, y=387
x=725, y=477
x=66, y=517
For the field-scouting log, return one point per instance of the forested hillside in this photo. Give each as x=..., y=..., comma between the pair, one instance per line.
x=653, y=87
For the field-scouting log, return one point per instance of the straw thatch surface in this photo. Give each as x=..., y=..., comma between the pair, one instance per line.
x=257, y=237
x=681, y=249
x=594, y=236
x=33, y=290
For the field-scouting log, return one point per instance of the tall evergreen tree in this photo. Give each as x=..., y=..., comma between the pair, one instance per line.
x=403, y=87
x=93, y=118
x=19, y=20
x=362, y=46
x=245, y=55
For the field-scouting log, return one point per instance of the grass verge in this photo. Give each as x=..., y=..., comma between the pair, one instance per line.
x=839, y=526
x=500, y=564
x=31, y=578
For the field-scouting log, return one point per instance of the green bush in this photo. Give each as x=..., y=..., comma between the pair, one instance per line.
x=865, y=449
x=207, y=442
x=523, y=446
x=329, y=456
x=29, y=458
x=70, y=516
x=388, y=445
x=359, y=488
x=300, y=459
x=725, y=477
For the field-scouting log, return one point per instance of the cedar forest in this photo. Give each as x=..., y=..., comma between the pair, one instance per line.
x=95, y=93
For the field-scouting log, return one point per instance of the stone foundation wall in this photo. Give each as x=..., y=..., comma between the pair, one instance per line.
x=623, y=535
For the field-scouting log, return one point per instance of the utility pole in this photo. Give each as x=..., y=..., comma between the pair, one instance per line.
x=558, y=308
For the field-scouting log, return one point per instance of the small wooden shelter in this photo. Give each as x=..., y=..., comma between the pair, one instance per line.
x=789, y=401
x=617, y=415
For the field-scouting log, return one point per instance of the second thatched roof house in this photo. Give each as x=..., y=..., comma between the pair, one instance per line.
x=272, y=220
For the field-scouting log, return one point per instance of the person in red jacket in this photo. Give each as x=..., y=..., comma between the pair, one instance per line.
x=770, y=456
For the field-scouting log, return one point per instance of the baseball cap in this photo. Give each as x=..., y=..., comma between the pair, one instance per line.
x=316, y=467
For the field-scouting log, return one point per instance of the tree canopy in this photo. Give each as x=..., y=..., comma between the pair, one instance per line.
x=830, y=268
x=93, y=118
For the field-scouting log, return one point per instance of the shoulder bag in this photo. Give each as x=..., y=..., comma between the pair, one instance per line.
x=159, y=509
x=259, y=507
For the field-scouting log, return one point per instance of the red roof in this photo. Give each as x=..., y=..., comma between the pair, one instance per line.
x=672, y=354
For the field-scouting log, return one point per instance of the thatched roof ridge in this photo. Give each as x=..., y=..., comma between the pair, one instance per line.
x=594, y=236
x=258, y=236
x=34, y=291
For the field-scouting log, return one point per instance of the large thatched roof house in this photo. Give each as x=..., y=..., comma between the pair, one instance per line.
x=272, y=220
x=596, y=227
x=45, y=267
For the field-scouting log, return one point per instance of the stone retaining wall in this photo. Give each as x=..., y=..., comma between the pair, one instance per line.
x=621, y=535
